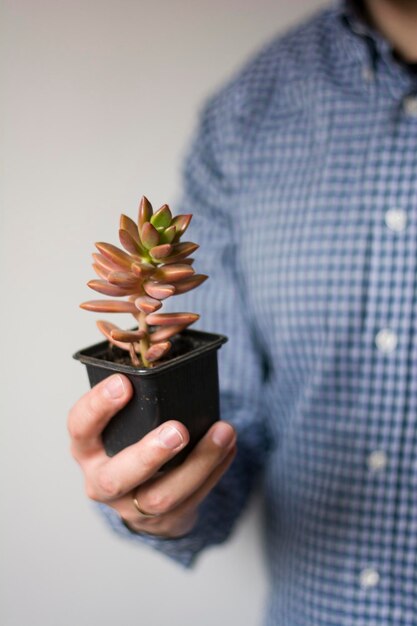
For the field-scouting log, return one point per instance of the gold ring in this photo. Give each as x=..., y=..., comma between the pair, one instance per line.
x=139, y=510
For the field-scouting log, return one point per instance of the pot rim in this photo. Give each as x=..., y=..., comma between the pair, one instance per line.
x=211, y=341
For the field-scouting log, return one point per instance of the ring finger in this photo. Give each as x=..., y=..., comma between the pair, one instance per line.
x=176, y=521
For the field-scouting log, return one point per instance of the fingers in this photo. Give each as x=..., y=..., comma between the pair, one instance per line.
x=180, y=521
x=170, y=490
x=93, y=411
x=197, y=498
x=175, y=496
x=110, y=479
x=181, y=518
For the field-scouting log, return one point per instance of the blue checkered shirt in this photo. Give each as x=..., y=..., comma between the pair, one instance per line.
x=303, y=183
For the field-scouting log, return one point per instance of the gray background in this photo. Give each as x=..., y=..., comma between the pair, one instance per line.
x=98, y=101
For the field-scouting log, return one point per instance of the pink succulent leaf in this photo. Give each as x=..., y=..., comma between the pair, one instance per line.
x=164, y=333
x=171, y=319
x=146, y=304
x=102, y=286
x=161, y=251
x=188, y=261
x=137, y=270
x=173, y=273
x=161, y=219
x=100, y=271
x=129, y=225
x=129, y=243
x=105, y=263
x=129, y=336
x=189, y=283
x=126, y=280
x=168, y=235
x=181, y=223
x=142, y=270
x=145, y=212
x=149, y=236
x=158, y=290
x=157, y=351
x=185, y=247
x=114, y=254
x=109, y=306
x=106, y=329
x=181, y=251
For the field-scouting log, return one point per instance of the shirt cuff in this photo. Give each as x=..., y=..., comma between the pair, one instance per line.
x=183, y=550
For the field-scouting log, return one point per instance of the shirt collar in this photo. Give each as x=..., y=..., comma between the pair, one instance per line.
x=359, y=42
x=351, y=14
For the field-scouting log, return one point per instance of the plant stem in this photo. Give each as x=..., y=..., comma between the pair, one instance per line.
x=133, y=355
x=143, y=343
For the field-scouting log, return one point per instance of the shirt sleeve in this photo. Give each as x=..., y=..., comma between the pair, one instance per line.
x=210, y=179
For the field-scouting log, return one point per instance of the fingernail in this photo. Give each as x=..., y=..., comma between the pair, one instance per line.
x=114, y=387
x=223, y=435
x=170, y=437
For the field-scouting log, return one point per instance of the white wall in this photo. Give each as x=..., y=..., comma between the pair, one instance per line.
x=98, y=100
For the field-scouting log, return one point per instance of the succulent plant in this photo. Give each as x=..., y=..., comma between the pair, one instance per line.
x=154, y=266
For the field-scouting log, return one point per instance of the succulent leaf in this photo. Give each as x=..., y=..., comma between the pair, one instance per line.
x=157, y=351
x=164, y=333
x=173, y=273
x=171, y=319
x=145, y=212
x=100, y=271
x=128, y=336
x=149, y=236
x=158, y=290
x=105, y=263
x=162, y=217
x=129, y=243
x=106, y=329
x=104, y=287
x=137, y=269
x=168, y=235
x=187, y=261
x=146, y=304
x=187, y=284
x=129, y=225
x=114, y=254
x=180, y=251
x=109, y=306
x=126, y=280
x=181, y=223
x=142, y=270
x=161, y=251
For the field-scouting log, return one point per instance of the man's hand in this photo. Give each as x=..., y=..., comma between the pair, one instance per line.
x=172, y=498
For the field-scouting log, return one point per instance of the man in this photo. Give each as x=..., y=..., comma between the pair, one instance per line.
x=303, y=182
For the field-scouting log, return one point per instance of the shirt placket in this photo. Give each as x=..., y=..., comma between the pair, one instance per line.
x=388, y=344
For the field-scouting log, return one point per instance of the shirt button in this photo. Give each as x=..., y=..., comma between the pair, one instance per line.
x=377, y=461
x=368, y=578
x=368, y=74
x=396, y=220
x=386, y=341
x=410, y=105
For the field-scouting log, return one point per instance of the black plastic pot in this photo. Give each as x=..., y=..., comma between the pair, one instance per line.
x=184, y=387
